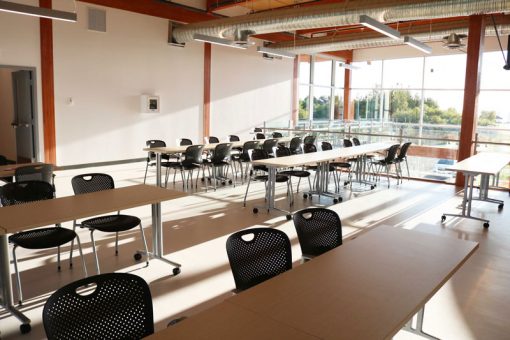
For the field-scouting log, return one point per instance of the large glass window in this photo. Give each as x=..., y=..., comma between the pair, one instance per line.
x=403, y=73
x=321, y=103
x=445, y=72
x=322, y=72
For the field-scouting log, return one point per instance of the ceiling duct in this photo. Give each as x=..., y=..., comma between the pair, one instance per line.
x=357, y=41
x=338, y=14
x=454, y=41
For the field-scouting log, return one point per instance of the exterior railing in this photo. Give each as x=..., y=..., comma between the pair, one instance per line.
x=434, y=146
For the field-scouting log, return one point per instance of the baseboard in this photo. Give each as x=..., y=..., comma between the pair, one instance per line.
x=88, y=165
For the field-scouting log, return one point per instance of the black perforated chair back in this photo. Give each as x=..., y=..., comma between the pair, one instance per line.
x=38, y=172
x=5, y=161
x=257, y=130
x=92, y=182
x=213, y=140
x=392, y=153
x=23, y=192
x=193, y=155
x=318, y=230
x=308, y=148
x=155, y=143
x=403, y=150
x=260, y=136
x=115, y=306
x=185, y=141
x=326, y=146
x=233, y=138
x=221, y=152
x=247, y=146
x=269, y=145
x=347, y=143
x=258, y=254
x=257, y=154
x=295, y=145
x=355, y=141
x=282, y=151
x=309, y=140
x=277, y=135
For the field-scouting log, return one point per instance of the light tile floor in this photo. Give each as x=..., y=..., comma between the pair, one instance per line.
x=472, y=305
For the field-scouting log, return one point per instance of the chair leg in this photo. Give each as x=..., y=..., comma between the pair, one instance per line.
x=407, y=166
x=246, y=193
x=146, y=168
x=81, y=255
x=18, y=279
x=145, y=244
x=95, y=251
x=72, y=245
x=388, y=174
x=58, y=258
x=117, y=243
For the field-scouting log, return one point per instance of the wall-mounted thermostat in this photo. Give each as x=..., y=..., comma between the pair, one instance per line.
x=149, y=104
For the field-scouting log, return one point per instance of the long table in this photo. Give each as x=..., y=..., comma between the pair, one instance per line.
x=321, y=158
x=485, y=164
x=368, y=288
x=26, y=216
x=10, y=169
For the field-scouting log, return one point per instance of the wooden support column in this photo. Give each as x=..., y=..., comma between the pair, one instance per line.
x=471, y=89
x=207, y=90
x=295, y=89
x=348, y=112
x=48, y=86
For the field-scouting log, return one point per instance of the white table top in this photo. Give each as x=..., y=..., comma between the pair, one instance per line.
x=322, y=156
x=489, y=163
x=181, y=149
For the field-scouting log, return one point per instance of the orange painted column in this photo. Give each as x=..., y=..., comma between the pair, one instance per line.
x=348, y=112
x=48, y=86
x=207, y=90
x=295, y=101
x=471, y=89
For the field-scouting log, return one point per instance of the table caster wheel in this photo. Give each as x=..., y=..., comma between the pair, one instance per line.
x=289, y=217
x=176, y=271
x=346, y=183
x=229, y=181
x=500, y=206
x=305, y=196
x=335, y=201
x=255, y=210
x=25, y=328
x=443, y=218
x=310, y=196
x=340, y=199
x=223, y=183
x=202, y=179
x=486, y=225
x=137, y=256
x=372, y=187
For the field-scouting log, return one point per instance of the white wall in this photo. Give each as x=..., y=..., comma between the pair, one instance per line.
x=7, y=135
x=247, y=90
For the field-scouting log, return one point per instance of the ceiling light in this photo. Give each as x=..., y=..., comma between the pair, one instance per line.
x=367, y=21
x=275, y=52
x=348, y=66
x=417, y=44
x=6, y=6
x=217, y=41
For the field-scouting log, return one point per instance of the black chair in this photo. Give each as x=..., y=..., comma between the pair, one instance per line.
x=309, y=140
x=295, y=146
x=5, y=161
x=269, y=146
x=277, y=135
x=387, y=162
x=338, y=165
x=258, y=154
x=244, y=156
x=319, y=230
x=36, y=172
x=213, y=140
x=257, y=130
x=184, y=142
x=266, y=254
x=94, y=182
x=402, y=157
x=356, y=141
x=218, y=161
x=260, y=136
x=233, y=138
x=192, y=161
x=283, y=152
x=107, y=306
x=42, y=238
x=347, y=143
x=151, y=156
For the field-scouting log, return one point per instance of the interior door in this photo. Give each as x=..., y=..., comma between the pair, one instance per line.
x=24, y=116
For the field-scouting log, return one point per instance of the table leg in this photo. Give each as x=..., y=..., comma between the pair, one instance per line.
x=6, y=300
x=418, y=329
x=271, y=193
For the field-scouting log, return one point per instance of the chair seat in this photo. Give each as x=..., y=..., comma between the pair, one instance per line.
x=295, y=173
x=42, y=238
x=315, y=167
x=341, y=164
x=112, y=223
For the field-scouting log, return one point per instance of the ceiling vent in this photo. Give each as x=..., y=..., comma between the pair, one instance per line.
x=454, y=41
x=97, y=19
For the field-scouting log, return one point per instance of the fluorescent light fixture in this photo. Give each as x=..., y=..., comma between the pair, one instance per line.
x=367, y=21
x=348, y=66
x=417, y=44
x=6, y=6
x=217, y=41
x=275, y=52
